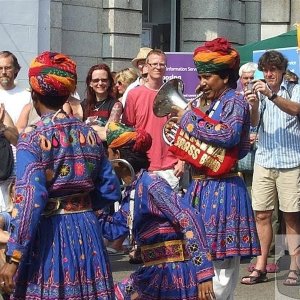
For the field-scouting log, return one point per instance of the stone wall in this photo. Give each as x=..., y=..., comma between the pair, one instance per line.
x=24, y=30
x=204, y=20
x=94, y=31
x=278, y=16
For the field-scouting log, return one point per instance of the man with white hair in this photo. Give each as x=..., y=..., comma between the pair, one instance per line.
x=246, y=73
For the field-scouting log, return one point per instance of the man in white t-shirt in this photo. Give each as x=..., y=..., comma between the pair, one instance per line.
x=14, y=99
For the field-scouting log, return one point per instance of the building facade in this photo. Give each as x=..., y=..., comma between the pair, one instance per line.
x=112, y=31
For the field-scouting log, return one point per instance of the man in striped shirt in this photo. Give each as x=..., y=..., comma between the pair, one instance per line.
x=277, y=161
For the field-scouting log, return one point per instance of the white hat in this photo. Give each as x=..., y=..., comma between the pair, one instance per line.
x=141, y=55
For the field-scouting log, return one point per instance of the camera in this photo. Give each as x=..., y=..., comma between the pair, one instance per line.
x=250, y=86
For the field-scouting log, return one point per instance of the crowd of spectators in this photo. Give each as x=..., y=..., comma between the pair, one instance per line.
x=262, y=114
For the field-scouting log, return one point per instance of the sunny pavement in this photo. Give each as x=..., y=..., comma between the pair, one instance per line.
x=263, y=291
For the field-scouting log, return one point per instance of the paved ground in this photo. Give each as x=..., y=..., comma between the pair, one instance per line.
x=273, y=289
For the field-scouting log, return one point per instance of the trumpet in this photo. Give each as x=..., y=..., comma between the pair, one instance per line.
x=169, y=95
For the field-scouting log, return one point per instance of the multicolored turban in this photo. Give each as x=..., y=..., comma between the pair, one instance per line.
x=53, y=74
x=216, y=55
x=119, y=135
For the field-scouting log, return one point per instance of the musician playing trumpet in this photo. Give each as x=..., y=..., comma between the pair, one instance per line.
x=212, y=142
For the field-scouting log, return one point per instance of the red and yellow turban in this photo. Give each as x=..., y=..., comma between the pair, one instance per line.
x=216, y=55
x=119, y=135
x=53, y=74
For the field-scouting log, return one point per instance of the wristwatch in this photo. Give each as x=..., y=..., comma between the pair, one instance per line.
x=272, y=98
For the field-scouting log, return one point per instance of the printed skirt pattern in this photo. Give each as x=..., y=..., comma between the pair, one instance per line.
x=67, y=261
x=228, y=217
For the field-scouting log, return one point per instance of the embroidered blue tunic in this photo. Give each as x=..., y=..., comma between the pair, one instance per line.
x=224, y=203
x=62, y=255
x=160, y=216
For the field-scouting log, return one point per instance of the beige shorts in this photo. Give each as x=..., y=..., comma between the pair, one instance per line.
x=270, y=185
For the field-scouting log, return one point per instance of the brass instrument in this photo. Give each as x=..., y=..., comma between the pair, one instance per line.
x=210, y=159
x=169, y=95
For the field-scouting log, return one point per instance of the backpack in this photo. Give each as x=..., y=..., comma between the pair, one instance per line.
x=6, y=158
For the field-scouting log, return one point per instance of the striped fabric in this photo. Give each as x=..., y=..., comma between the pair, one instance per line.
x=279, y=134
x=216, y=55
x=53, y=74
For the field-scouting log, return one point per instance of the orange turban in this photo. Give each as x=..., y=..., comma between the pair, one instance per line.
x=216, y=55
x=53, y=74
x=119, y=135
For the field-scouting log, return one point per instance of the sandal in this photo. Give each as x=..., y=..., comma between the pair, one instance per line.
x=292, y=281
x=255, y=279
x=270, y=267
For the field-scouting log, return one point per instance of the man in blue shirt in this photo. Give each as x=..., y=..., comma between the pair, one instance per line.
x=277, y=161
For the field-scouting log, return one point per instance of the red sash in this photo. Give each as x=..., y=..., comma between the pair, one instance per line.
x=210, y=160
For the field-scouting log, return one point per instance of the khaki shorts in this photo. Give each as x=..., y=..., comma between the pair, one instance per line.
x=270, y=185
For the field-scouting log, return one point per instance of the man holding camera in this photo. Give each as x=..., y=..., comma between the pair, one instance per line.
x=277, y=162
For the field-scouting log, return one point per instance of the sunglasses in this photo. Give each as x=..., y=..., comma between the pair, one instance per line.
x=96, y=80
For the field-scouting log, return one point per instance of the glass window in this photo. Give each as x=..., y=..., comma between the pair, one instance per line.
x=159, y=24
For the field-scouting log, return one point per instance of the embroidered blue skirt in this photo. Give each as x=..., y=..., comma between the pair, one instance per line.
x=68, y=260
x=227, y=214
x=167, y=281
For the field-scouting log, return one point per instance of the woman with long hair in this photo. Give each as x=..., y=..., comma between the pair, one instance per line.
x=100, y=105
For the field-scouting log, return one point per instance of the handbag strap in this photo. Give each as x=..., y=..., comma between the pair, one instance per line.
x=263, y=103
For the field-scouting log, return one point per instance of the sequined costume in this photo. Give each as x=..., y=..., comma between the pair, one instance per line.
x=62, y=253
x=161, y=225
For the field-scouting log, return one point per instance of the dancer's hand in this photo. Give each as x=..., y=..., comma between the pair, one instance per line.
x=205, y=291
x=7, y=273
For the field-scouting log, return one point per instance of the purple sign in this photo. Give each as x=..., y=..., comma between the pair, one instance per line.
x=180, y=65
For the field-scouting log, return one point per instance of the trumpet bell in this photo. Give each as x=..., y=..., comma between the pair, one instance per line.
x=170, y=94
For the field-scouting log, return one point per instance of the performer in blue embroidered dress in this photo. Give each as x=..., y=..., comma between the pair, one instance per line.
x=56, y=247
x=176, y=263
x=216, y=190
